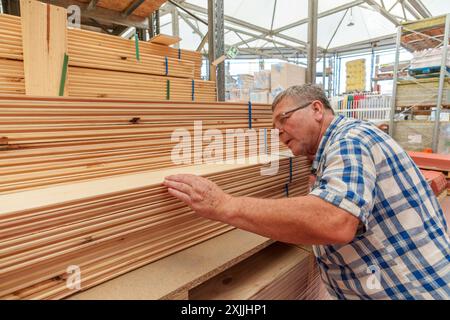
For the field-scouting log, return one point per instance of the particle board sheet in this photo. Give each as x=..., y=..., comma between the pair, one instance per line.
x=181, y=271
x=60, y=140
x=44, y=42
x=102, y=51
x=110, y=226
x=278, y=272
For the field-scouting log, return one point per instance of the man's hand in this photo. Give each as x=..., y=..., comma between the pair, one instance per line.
x=201, y=194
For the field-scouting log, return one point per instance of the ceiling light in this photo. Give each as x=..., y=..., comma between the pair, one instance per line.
x=351, y=23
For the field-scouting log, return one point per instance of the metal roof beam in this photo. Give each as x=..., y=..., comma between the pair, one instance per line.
x=320, y=15
x=383, y=12
x=370, y=43
x=420, y=8
x=245, y=24
x=304, y=21
x=411, y=10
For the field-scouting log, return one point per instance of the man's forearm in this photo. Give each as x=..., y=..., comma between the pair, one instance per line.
x=300, y=220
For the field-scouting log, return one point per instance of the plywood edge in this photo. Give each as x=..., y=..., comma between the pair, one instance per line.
x=165, y=39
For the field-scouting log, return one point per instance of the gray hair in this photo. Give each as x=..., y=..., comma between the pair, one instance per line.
x=306, y=92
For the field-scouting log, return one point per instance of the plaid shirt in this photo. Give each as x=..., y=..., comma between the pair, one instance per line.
x=401, y=249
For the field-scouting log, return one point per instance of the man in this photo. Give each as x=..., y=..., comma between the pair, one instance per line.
x=376, y=227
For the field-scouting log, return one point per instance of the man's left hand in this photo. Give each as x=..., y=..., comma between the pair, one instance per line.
x=201, y=194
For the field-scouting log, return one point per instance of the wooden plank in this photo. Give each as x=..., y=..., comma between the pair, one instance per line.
x=181, y=271
x=165, y=39
x=44, y=41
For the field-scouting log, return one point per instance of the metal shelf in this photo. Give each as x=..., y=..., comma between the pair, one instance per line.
x=421, y=35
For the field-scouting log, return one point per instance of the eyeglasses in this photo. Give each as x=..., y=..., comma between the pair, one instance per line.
x=282, y=117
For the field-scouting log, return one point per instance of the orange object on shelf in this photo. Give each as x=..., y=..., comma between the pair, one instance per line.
x=433, y=161
x=436, y=180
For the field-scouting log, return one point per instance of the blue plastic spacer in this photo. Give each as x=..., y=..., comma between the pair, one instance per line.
x=249, y=114
x=193, y=90
x=167, y=65
x=286, y=189
x=179, y=54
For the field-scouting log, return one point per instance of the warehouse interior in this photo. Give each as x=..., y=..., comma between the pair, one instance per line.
x=93, y=92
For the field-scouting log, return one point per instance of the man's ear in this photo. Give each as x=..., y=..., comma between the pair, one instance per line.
x=318, y=110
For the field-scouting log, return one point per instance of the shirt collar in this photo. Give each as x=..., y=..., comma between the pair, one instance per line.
x=323, y=142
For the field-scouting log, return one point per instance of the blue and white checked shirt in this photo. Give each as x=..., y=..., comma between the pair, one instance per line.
x=401, y=250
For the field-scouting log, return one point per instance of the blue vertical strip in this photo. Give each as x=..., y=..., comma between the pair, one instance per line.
x=179, y=54
x=136, y=47
x=286, y=189
x=167, y=65
x=193, y=90
x=249, y=114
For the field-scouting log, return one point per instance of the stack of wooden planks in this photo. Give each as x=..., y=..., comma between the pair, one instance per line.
x=85, y=82
x=108, y=66
x=113, y=49
x=106, y=227
x=46, y=141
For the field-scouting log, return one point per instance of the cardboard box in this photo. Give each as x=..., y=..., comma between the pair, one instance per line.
x=239, y=95
x=262, y=80
x=260, y=96
x=284, y=75
x=356, y=75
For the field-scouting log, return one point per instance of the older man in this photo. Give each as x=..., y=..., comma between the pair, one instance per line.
x=377, y=230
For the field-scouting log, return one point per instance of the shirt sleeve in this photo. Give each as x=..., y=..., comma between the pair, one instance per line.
x=348, y=178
